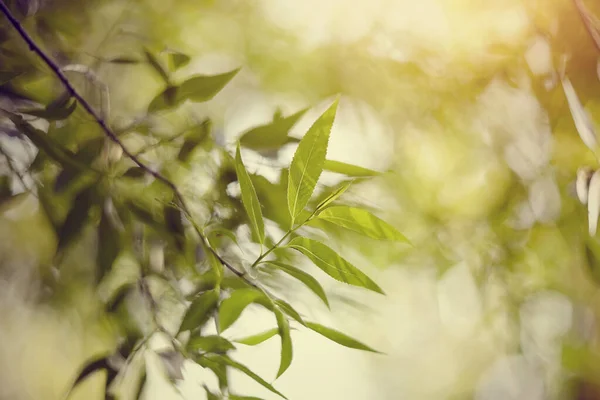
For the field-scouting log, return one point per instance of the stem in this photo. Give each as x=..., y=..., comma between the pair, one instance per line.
x=275, y=246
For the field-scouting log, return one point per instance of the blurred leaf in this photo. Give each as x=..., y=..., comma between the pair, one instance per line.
x=7, y=76
x=289, y=310
x=210, y=344
x=109, y=245
x=332, y=263
x=232, y=307
x=5, y=190
x=334, y=195
x=173, y=361
x=235, y=397
x=117, y=299
x=135, y=172
x=141, y=385
x=77, y=217
x=210, y=395
x=273, y=135
x=164, y=100
x=93, y=366
x=204, y=87
x=193, y=138
x=258, y=338
x=361, y=221
x=582, y=121
x=124, y=60
x=174, y=224
x=348, y=169
x=307, y=164
x=286, y=342
x=218, y=368
x=303, y=277
x=200, y=310
x=249, y=198
x=339, y=337
x=179, y=59
x=53, y=113
x=242, y=368
x=157, y=66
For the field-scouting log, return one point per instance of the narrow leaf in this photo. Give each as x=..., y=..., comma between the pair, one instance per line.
x=52, y=113
x=361, y=221
x=258, y=338
x=200, y=310
x=273, y=135
x=242, y=368
x=174, y=224
x=249, y=198
x=236, y=397
x=339, y=337
x=93, y=366
x=334, y=196
x=211, y=344
x=124, y=60
x=204, y=87
x=156, y=65
x=232, y=307
x=348, y=169
x=307, y=164
x=289, y=310
x=109, y=243
x=582, y=121
x=135, y=172
x=303, y=277
x=76, y=218
x=332, y=263
x=179, y=59
x=286, y=342
x=164, y=100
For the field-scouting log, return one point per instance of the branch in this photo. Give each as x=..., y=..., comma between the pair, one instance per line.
x=106, y=129
x=587, y=22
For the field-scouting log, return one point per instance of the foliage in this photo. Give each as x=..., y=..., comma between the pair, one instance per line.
x=91, y=183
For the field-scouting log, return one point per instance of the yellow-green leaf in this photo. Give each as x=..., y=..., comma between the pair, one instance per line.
x=232, y=307
x=307, y=164
x=332, y=263
x=286, y=342
x=334, y=196
x=303, y=277
x=339, y=337
x=211, y=344
x=249, y=198
x=348, y=169
x=258, y=338
x=271, y=136
x=361, y=221
x=204, y=87
x=200, y=310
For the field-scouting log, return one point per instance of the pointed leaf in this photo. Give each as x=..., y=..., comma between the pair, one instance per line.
x=286, y=342
x=339, y=337
x=76, y=218
x=193, y=138
x=156, y=65
x=258, y=338
x=200, y=310
x=361, y=221
x=242, y=368
x=582, y=121
x=204, y=87
x=303, y=277
x=165, y=100
x=232, y=307
x=307, y=164
x=124, y=60
x=235, y=397
x=273, y=135
x=174, y=224
x=249, y=198
x=109, y=243
x=332, y=263
x=289, y=310
x=53, y=113
x=135, y=172
x=334, y=196
x=179, y=59
x=210, y=344
x=348, y=169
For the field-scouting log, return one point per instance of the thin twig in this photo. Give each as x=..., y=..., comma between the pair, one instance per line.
x=33, y=46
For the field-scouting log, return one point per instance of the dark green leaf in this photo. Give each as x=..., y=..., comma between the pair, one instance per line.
x=174, y=224
x=236, y=397
x=361, y=221
x=249, y=198
x=258, y=338
x=124, y=60
x=109, y=245
x=53, y=113
x=348, y=169
x=97, y=364
x=303, y=277
x=193, y=138
x=218, y=368
x=307, y=164
x=135, y=172
x=7, y=76
x=204, y=87
x=210, y=344
x=117, y=299
x=77, y=217
x=271, y=136
x=242, y=368
x=156, y=65
x=289, y=310
x=286, y=342
x=166, y=99
x=179, y=59
x=334, y=196
x=200, y=310
x=339, y=337
x=232, y=307
x=210, y=395
x=332, y=263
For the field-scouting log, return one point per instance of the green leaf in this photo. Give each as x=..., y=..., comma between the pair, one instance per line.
x=242, y=368
x=286, y=342
x=236, y=397
x=7, y=76
x=76, y=218
x=332, y=263
x=211, y=344
x=156, y=65
x=178, y=59
x=348, y=169
x=361, y=221
x=135, y=172
x=164, y=100
x=289, y=310
x=303, y=277
x=52, y=113
x=200, y=310
x=124, y=60
x=174, y=224
x=109, y=245
x=334, y=196
x=271, y=136
x=258, y=338
x=202, y=88
x=193, y=138
x=339, y=337
x=218, y=368
x=307, y=164
x=232, y=307
x=249, y=198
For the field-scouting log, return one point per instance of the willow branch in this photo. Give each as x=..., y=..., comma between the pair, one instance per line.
x=33, y=46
